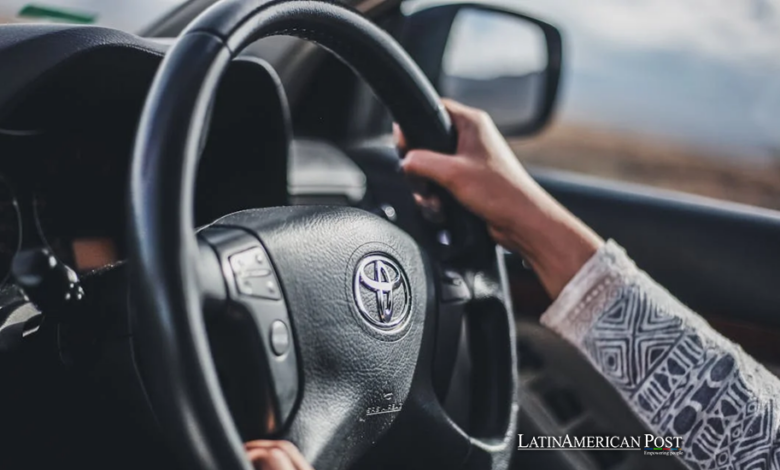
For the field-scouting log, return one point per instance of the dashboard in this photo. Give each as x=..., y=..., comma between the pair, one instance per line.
x=67, y=123
x=64, y=190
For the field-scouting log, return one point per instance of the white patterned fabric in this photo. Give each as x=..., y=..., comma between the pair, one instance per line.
x=681, y=377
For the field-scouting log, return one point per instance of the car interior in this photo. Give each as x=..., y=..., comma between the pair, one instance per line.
x=187, y=214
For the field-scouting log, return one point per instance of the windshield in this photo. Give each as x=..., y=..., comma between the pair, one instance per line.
x=128, y=15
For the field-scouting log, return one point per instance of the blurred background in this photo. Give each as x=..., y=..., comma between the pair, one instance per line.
x=677, y=94
x=680, y=94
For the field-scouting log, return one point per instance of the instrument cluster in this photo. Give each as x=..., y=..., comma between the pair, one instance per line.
x=66, y=144
x=63, y=191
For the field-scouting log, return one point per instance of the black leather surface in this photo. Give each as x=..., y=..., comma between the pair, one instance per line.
x=348, y=366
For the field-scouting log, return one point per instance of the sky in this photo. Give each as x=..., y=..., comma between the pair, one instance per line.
x=702, y=71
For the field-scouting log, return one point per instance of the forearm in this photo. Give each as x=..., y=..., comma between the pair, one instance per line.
x=678, y=374
x=550, y=238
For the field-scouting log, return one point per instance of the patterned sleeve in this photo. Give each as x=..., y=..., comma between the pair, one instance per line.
x=680, y=376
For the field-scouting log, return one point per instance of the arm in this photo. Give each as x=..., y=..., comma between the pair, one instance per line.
x=674, y=371
x=680, y=376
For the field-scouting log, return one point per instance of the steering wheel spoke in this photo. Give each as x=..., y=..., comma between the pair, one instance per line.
x=251, y=335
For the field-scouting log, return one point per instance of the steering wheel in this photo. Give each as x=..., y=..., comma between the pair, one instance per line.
x=346, y=319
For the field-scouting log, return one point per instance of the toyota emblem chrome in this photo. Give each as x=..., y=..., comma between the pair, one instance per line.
x=381, y=291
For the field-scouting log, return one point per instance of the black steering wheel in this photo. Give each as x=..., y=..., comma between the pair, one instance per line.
x=345, y=318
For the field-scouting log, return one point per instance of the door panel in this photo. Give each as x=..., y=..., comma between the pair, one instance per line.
x=721, y=259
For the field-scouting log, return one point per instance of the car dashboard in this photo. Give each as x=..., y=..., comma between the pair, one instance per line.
x=67, y=124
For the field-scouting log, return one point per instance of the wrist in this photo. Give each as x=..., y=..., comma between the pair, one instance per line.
x=552, y=240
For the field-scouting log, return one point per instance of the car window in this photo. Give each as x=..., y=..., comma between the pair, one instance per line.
x=127, y=15
x=679, y=94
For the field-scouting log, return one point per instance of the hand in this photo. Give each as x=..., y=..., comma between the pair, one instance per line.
x=276, y=455
x=488, y=179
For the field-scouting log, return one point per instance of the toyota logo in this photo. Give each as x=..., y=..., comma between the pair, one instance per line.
x=381, y=291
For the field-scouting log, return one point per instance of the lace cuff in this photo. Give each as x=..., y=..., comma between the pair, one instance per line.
x=590, y=292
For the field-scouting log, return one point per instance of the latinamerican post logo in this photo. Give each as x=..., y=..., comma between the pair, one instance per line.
x=648, y=443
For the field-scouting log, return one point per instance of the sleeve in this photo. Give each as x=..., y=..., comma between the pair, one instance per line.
x=680, y=376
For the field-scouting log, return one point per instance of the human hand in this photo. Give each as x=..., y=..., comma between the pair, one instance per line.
x=487, y=178
x=276, y=455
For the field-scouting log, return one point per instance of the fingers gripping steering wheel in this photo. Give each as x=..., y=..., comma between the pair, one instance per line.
x=344, y=309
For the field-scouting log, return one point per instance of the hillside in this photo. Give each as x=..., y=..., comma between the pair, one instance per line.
x=654, y=161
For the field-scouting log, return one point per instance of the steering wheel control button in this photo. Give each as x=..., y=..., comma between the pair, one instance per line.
x=280, y=338
x=253, y=259
x=453, y=287
x=381, y=291
x=253, y=274
x=389, y=212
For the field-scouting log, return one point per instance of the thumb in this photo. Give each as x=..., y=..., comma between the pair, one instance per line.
x=431, y=165
x=398, y=137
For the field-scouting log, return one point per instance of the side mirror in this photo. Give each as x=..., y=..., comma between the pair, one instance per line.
x=504, y=62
